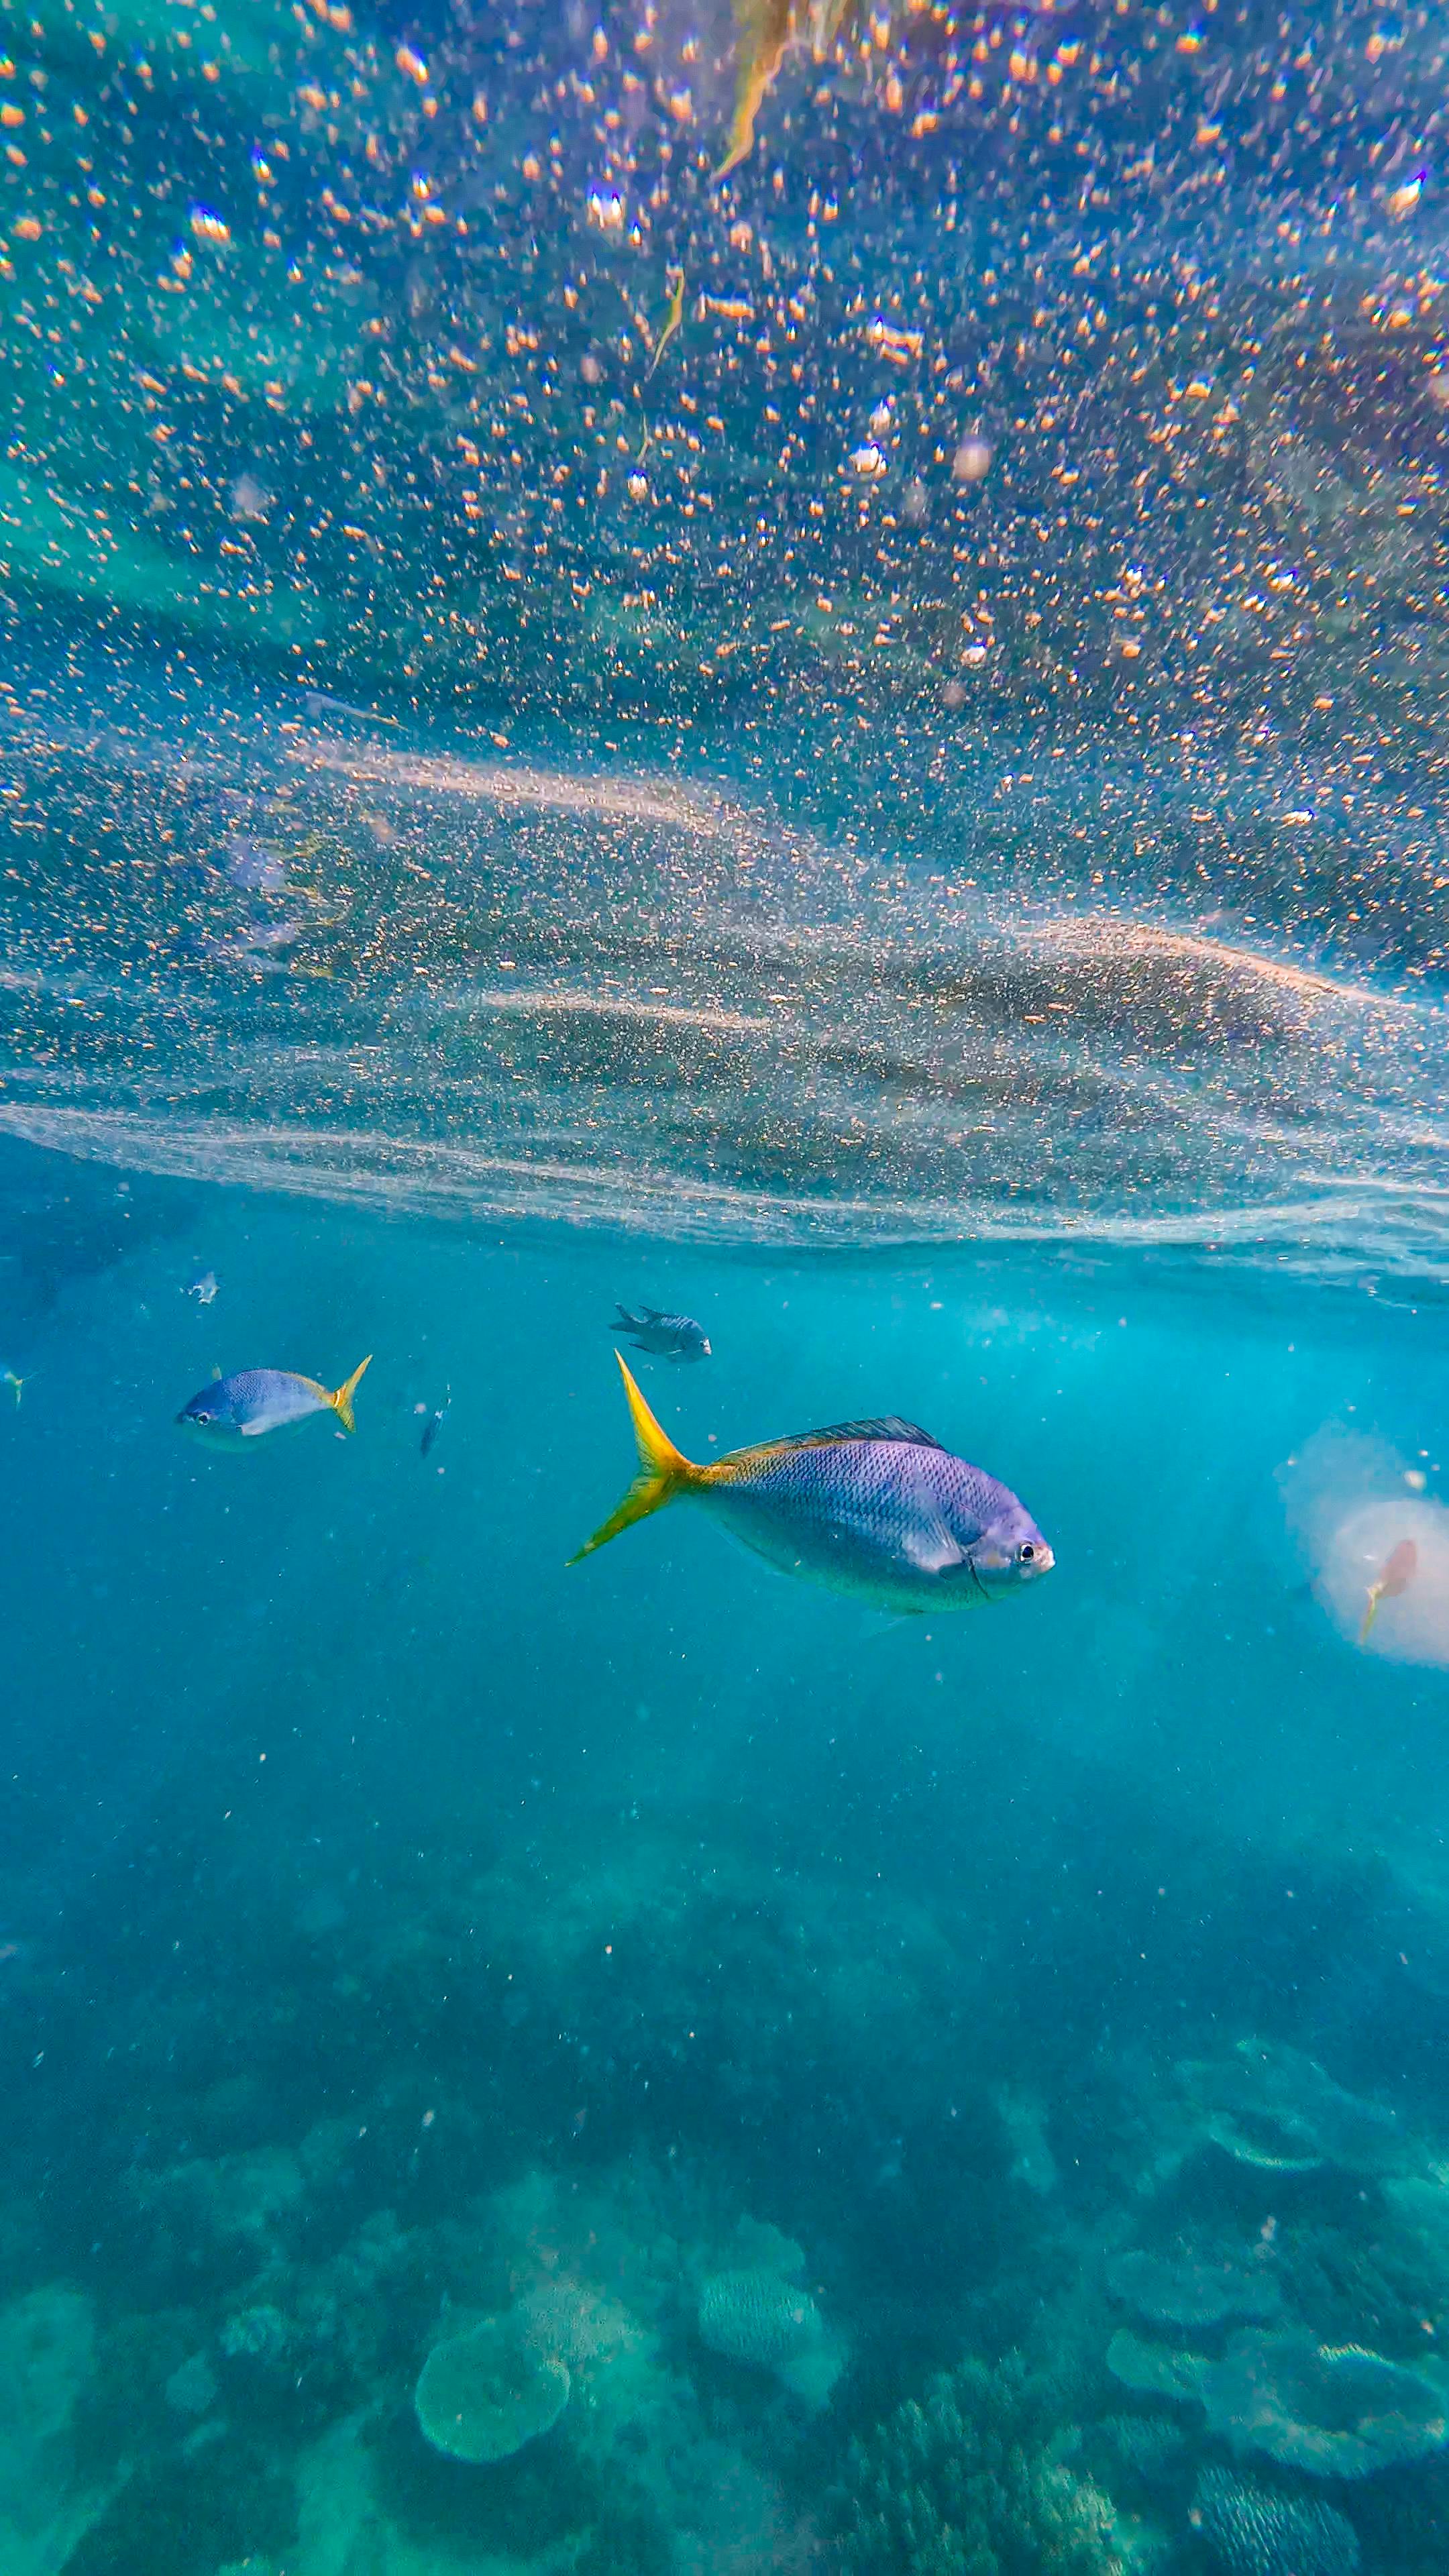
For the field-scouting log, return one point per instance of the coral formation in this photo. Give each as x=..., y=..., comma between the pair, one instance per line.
x=1151, y=2446
x=1189, y=2286
x=1333, y=2410
x=261, y=2333
x=1152, y=2369
x=758, y=2318
x=481, y=2395
x=1269, y=2105
x=1023, y=2119
x=243, y=2197
x=1252, y=2531
x=47, y=2368
x=967, y=2485
x=756, y=2312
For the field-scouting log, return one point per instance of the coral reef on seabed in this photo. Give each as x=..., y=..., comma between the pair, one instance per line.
x=1251, y=2531
x=968, y=2484
x=481, y=2395
x=1333, y=2410
x=47, y=2369
x=1272, y=2107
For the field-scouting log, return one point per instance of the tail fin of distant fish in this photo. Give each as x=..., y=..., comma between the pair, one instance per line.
x=664, y=1472
x=341, y=1402
x=1375, y=1596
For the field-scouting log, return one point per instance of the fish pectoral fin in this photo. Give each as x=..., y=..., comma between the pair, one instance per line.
x=932, y=1549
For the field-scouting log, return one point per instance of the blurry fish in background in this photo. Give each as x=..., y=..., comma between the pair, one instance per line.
x=202, y=1287
x=766, y=29
x=318, y=703
x=8, y=1377
x=248, y=947
x=253, y=867
x=876, y=1509
x=1399, y=1572
x=661, y=1336
x=435, y=1422
x=254, y=1401
x=674, y=315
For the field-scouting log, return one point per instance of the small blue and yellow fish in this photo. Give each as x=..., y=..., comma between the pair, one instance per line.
x=242, y=1407
x=877, y=1509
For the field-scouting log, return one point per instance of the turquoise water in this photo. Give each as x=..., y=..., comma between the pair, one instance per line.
x=854, y=753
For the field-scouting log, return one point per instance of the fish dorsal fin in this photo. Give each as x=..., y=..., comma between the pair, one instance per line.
x=881, y=1426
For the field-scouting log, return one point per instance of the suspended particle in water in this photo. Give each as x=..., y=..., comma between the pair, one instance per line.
x=590, y=368
x=638, y=487
x=971, y=461
x=914, y=501
x=412, y=65
x=867, y=461
x=880, y=421
x=208, y=226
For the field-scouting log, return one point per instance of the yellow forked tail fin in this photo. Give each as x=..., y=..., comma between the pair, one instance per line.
x=663, y=1471
x=341, y=1402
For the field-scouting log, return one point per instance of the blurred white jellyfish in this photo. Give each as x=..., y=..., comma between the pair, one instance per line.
x=1376, y=1545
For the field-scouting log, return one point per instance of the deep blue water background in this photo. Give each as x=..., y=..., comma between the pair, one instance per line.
x=333, y=1796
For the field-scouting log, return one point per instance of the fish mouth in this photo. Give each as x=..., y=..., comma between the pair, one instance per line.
x=1044, y=1559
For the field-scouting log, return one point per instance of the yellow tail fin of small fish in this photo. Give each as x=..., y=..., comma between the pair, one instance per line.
x=664, y=1472
x=1375, y=1596
x=341, y=1402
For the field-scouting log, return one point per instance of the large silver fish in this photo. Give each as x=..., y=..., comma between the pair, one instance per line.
x=876, y=1509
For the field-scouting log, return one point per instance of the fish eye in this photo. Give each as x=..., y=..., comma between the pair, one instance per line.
x=1026, y=1552
x=201, y=1417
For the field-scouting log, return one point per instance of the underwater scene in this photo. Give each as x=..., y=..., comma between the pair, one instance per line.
x=724, y=1288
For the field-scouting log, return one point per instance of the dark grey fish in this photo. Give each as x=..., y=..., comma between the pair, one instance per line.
x=663, y=1337
x=435, y=1422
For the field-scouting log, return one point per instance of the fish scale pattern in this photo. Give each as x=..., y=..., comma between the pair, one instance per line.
x=1251, y=2531
x=877, y=1484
